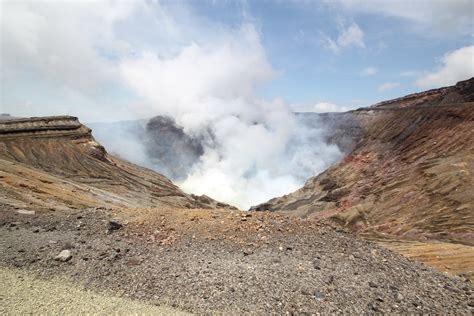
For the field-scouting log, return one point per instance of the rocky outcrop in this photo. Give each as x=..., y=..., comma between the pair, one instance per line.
x=54, y=126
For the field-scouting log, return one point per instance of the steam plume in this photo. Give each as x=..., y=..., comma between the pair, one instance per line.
x=253, y=149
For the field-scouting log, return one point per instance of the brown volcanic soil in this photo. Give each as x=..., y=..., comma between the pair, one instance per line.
x=220, y=261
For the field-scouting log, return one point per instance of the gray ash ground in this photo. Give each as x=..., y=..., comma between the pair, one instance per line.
x=220, y=261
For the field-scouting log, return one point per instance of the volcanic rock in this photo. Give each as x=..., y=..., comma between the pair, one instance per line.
x=64, y=256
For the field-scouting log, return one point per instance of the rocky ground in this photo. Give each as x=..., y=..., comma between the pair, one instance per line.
x=205, y=261
x=23, y=293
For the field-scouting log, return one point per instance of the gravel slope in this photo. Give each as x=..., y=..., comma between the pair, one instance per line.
x=24, y=293
x=206, y=261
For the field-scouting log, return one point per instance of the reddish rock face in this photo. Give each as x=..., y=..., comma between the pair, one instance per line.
x=410, y=174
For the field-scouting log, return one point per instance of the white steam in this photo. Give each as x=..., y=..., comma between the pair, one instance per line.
x=253, y=150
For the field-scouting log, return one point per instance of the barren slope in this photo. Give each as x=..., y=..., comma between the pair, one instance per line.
x=55, y=162
x=215, y=261
x=410, y=175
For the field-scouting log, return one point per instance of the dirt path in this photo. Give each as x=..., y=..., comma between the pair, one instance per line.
x=23, y=293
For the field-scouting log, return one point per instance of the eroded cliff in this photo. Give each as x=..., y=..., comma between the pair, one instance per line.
x=409, y=175
x=55, y=161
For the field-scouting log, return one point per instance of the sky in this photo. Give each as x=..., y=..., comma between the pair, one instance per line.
x=91, y=58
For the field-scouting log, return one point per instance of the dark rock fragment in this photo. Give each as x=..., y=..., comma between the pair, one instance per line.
x=113, y=225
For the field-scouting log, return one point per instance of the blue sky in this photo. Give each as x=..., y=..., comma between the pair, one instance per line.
x=293, y=34
x=324, y=55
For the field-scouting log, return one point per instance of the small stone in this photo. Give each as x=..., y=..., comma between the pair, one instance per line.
x=289, y=248
x=380, y=298
x=36, y=230
x=329, y=279
x=393, y=287
x=317, y=264
x=113, y=225
x=116, y=256
x=399, y=297
x=372, y=284
x=375, y=307
x=26, y=212
x=470, y=303
x=64, y=256
x=318, y=295
x=305, y=292
x=248, y=252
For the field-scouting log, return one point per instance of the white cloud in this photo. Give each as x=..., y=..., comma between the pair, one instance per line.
x=226, y=70
x=369, y=71
x=388, y=86
x=323, y=107
x=409, y=73
x=455, y=66
x=349, y=36
x=320, y=107
x=432, y=16
x=352, y=36
x=61, y=40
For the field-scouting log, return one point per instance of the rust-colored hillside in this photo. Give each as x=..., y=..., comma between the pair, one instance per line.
x=55, y=162
x=410, y=175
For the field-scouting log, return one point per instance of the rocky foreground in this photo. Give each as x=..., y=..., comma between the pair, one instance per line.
x=205, y=261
